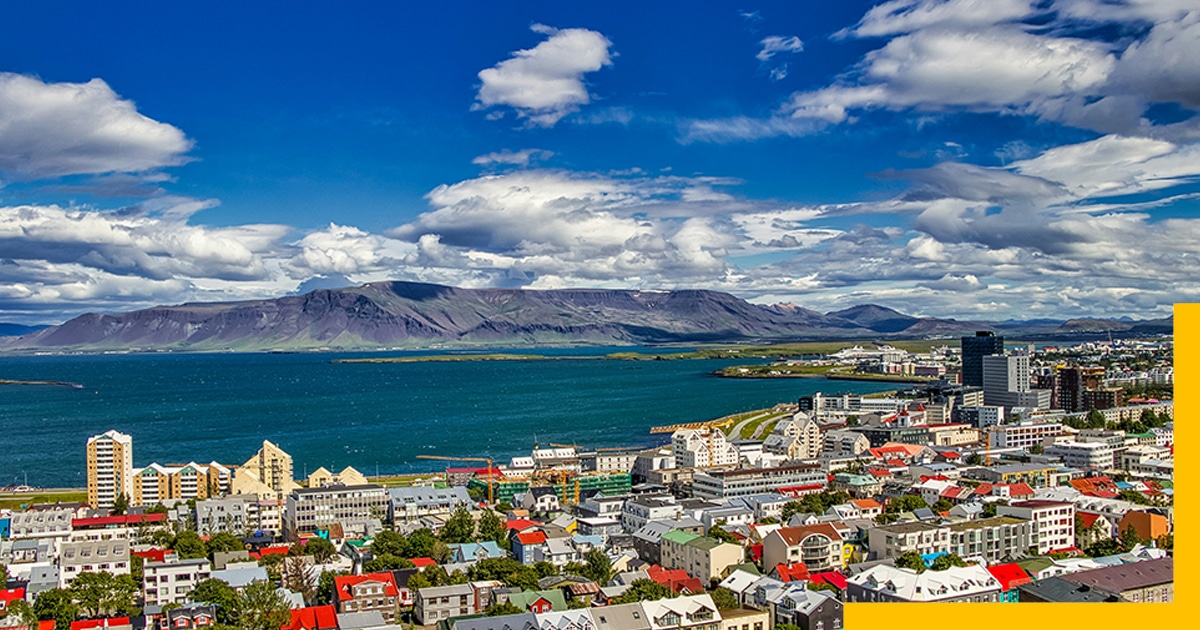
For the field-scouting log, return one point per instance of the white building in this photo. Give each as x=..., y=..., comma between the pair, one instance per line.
x=797, y=438
x=884, y=583
x=719, y=484
x=1083, y=455
x=92, y=557
x=1053, y=523
x=109, y=468
x=702, y=448
x=1023, y=435
x=171, y=582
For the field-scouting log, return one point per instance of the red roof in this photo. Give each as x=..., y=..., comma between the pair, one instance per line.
x=795, y=572
x=532, y=538
x=830, y=577
x=99, y=623
x=117, y=521
x=277, y=550
x=879, y=472
x=675, y=579
x=154, y=555
x=799, y=491
x=11, y=595
x=342, y=584
x=313, y=618
x=1088, y=519
x=423, y=562
x=866, y=504
x=756, y=552
x=1009, y=575
x=521, y=524
x=1020, y=490
x=951, y=454
x=895, y=462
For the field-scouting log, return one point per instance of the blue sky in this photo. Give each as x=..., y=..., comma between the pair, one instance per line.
x=964, y=158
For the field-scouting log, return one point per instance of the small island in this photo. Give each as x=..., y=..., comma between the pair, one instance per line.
x=4, y=381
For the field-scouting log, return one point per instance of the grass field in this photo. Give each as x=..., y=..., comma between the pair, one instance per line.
x=14, y=500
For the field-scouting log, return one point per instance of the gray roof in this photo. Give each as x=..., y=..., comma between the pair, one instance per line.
x=240, y=576
x=1127, y=577
x=426, y=494
x=369, y=620
x=1056, y=589
x=621, y=617
x=523, y=621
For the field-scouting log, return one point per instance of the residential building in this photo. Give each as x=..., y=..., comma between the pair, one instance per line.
x=411, y=504
x=857, y=486
x=623, y=617
x=348, y=476
x=1148, y=525
x=808, y=610
x=1147, y=581
x=109, y=468
x=639, y=510
x=171, y=582
x=269, y=472
x=993, y=539
x=702, y=448
x=310, y=509
x=156, y=483
x=1088, y=456
x=1011, y=577
x=886, y=583
x=745, y=619
x=690, y=612
x=818, y=546
x=1053, y=523
x=366, y=593
x=719, y=484
x=702, y=557
x=191, y=616
x=1057, y=590
x=845, y=443
x=608, y=461
x=983, y=344
x=891, y=541
x=43, y=521
x=1024, y=434
x=442, y=602
x=647, y=540
x=129, y=527
x=796, y=438
x=238, y=515
x=91, y=557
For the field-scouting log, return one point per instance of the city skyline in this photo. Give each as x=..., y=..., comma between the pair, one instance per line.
x=1008, y=159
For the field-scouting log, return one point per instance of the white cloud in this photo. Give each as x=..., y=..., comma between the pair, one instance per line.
x=1113, y=165
x=55, y=129
x=515, y=158
x=906, y=16
x=347, y=251
x=545, y=83
x=776, y=44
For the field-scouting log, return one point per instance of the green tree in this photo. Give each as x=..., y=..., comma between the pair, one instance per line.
x=947, y=560
x=1130, y=538
x=3, y=576
x=942, y=505
x=502, y=608
x=120, y=504
x=1094, y=420
x=491, y=527
x=643, y=590
x=459, y=528
x=299, y=577
x=56, y=604
x=325, y=587
x=1104, y=547
x=102, y=594
x=189, y=545
x=1151, y=419
x=1166, y=541
x=418, y=581
x=904, y=503
x=321, y=550
x=886, y=518
x=419, y=544
x=597, y=567
x=273, y=563
x=1133, y=496
x=545, y=569
x=223, y=541
x=457, y=577
x=260, y=607
x=24, y=613
x=725, y=599
x=1037, y=449
x=722, y=535
x=219, y=594
x=437, y=576
x=911, y=560
x=389, y=542
x=157, y=508
x=387, y=562
x=974, y=459
x=162, y=538
x=821, y=586
x=504, y=507
x=989, y=509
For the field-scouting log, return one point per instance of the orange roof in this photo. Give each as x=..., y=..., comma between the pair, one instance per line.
x=1020, y=489
x=866, y=504
x=795, y=572
x=1088, y=519
x=313, y=618
x=342, y=584
x=879, y=472
x=532, y=538
x=793, y=535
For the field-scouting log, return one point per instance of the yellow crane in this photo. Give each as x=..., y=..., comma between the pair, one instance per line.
x=491, y=469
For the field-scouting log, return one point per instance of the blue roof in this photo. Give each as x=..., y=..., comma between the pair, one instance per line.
x=928, y=558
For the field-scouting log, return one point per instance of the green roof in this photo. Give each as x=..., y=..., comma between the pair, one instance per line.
x=679, y=537
x=749, y=567
x=704, y=542
x=1034, y=565
x=525, y=599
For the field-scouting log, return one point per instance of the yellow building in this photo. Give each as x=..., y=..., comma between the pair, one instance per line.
x=269, y=472
x=155, y=484
x=109, y=468
x=348, y=477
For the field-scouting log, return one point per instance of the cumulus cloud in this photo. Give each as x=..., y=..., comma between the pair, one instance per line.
x=545, y=83
x=515, y=158
x=55, y=129
x=345, y=251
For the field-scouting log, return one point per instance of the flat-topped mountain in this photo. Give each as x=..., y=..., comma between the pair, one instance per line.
x=415, y=315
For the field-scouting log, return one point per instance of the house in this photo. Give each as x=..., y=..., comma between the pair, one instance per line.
x=111, y=623
x=891, y=541
x=1095, y=528
x=702, y=557
x=411, y=504
x=436, y=603
x=745, y=619
x=523, y=621
x=794, y=572
x=1148, y=525
x=809, y=610
x=741, y=582
x=885, y=583
x=688, y=611
x=1058, y=590
x=366, y=593
x=621, y=617
x=1146, y=581
x=647, y=540
x=171, y=582
x=541, y=499
x=528, y=547
x=1010, y=576
x=7, y=596
x=818, y=546
x=538, y=602
x=677, y=580
x=474, y=552
x=858, y=486
x=91, y=556
x=189, y=616
x=313, y=618
x=867, y=508
x=578, y=619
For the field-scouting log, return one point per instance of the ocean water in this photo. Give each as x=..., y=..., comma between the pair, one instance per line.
x=375, y=417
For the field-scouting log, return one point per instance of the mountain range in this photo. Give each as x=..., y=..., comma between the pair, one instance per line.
x=416, y=315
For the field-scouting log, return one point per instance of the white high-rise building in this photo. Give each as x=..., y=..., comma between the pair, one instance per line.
x=701, y=448
x=109, y=468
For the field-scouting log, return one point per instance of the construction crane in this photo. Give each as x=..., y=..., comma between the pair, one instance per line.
x=491, y=469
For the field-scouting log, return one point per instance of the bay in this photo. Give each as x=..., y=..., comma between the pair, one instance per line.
x=374, y=416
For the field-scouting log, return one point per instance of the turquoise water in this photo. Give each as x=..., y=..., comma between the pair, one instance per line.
x=204, y=407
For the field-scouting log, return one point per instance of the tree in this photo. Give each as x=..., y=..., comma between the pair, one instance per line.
x=544, y=569
x=326, y=585
x=911, y=560
x=814, y=503
x=23, y=612
x=974, y=459
x=419, y=544
x=457, y=577
x=120, y=504
x=218, y=593
x=103, y=594
x=418, y=581
x=504, y=507
x=1094, y=420
x=299, y=577
x=989, y=509
x=821, y=586
x=947, y=560
x=387, y=562
x=904, y=503
x=1037, y=449
x=643, y=590
x=58, y=605
x=259, y=607
x=437, y=576
x=3, y=576
x=459, y=528
x=597, y=567
x=491, y=527
x=502, y=608
x=189, y=545
x=389, y=542
x=1166, y=541
x=223, y=541
x=162, y=538
x=1130, y=538
x=725, y=599
x=273, y=563
x=1133, y=496
x=722, y=535
x=1104, y=547
x=1151, y=419
x=157, y=508
x=942, y=504
x=886, y=518
x=321, y=550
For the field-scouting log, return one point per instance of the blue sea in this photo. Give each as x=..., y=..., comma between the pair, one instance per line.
x=375, y=417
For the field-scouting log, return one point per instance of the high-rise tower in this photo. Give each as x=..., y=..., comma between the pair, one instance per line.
x=109, y=468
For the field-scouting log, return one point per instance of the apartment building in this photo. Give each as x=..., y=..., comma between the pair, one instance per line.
x=720, y=484
x=157, y=483
x=1091, y=456
x=703, y=558
x=818, y=546
x=91, y=557
x=1053, y=523
x=310, y=509
x=367, y=593
x=993, y=539
x=702, y=448
x=891, y=541
x=170, y=582
x=109, y=468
